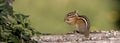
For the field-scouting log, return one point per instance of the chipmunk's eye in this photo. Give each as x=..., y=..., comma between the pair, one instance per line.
x=68, y=14
x=71, y=16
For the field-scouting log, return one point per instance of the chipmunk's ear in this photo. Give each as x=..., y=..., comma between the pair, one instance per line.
x=76, y=13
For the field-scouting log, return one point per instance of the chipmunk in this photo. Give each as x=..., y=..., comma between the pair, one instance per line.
x=80, y=22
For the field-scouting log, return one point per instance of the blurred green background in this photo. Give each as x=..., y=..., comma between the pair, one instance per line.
x=47, y=16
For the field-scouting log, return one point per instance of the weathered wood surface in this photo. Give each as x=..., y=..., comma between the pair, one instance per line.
x=95, y=37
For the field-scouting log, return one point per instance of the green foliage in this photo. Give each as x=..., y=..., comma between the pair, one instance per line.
x=14, y=28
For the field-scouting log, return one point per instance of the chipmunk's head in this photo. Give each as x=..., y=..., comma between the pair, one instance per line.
x=73, y=13
x=71, y=17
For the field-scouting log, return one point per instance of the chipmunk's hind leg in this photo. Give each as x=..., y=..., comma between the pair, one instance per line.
x=76, y=31
x=85, y=33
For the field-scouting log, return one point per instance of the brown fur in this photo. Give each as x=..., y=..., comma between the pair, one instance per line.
x=80, y=22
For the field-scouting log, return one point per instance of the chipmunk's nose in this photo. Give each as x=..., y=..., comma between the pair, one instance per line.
x=66, y=20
